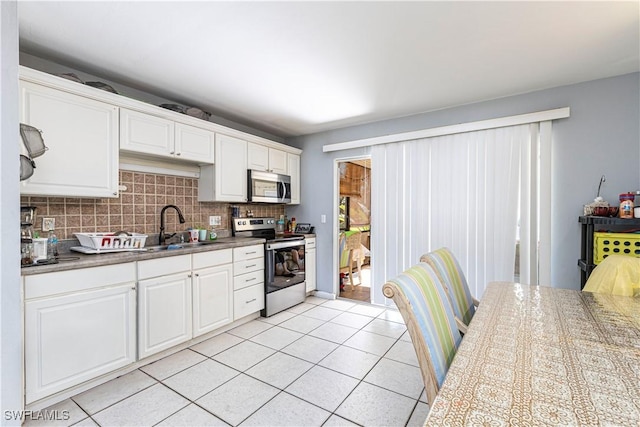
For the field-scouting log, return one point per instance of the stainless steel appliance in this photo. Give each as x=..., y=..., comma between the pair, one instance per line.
x=267, y=187
x=284, y=281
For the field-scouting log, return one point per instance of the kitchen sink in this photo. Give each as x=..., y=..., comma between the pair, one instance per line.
x=179, y=246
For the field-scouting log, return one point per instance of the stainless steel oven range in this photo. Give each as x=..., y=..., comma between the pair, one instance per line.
x=284, y=280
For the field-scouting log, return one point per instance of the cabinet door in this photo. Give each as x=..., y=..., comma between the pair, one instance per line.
x=147, y=134
x=226, y=181
x=75, y=337
x=310, y=269
x=257, y=157
x=293, y=161
x=193, y=143
x=278, y=161
x=82, y=137
x=212, y=298
x=164, y=313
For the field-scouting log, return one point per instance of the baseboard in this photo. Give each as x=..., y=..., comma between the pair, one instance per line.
x=325, y=295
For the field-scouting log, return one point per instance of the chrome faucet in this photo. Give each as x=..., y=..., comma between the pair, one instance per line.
x=163, y=236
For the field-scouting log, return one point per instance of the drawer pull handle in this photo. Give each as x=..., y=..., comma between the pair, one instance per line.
x=251, y=253
x=251, y=300
x=251, y=280
x=250, y=266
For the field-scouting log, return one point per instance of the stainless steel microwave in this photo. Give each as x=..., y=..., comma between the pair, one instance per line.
x=267, y=187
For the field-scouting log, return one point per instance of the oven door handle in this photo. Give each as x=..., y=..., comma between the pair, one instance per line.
x=286, y=244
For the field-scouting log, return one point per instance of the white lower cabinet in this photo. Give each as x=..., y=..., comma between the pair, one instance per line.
x=310, y=263
x=212, y=290
x=79, y=324
x=188, y=295
x=248, y=280
x=164, y=313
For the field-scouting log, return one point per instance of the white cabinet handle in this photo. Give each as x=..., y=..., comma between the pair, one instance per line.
x=250, y=266
x=251, y=253
x=252, y=300
x=251, y=280
x=178, y=153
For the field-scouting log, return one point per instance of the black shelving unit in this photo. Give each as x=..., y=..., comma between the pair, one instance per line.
x=589, y=225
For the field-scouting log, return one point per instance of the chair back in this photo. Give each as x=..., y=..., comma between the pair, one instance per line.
x=424, y=306
x=349, y=241
x=446, y=266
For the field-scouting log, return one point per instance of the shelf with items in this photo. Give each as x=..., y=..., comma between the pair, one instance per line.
x=590, y=225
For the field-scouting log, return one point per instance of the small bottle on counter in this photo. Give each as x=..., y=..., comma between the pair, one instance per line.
x=293, y=224
x=52, y=245
x=626, y=205
x=280, y=225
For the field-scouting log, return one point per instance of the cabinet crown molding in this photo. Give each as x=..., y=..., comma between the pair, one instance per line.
x=50, y=80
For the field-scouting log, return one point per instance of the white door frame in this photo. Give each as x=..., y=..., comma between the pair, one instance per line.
x=336, y=222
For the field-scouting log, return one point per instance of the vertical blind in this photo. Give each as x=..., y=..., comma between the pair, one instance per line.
x=465, y=191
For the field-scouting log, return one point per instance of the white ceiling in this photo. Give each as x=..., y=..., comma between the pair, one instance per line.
x=293, y=68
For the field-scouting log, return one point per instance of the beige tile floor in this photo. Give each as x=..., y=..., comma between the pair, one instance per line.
x=320, y=363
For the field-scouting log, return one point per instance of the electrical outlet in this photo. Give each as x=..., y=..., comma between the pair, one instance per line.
x=48, y=224
x=215, y=220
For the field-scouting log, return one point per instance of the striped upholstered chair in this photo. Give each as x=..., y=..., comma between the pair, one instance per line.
x=446, y=266
x=426, y=311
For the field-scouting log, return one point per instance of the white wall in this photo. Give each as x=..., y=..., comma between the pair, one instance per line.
x=10, y=306
x=602, y=136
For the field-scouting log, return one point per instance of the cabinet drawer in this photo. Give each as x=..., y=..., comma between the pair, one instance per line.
x=247, y=301
x=249, y=279
x=247, y=266
x=212, y=258
x=310, y=242
x=163, y=266
x=248, y=252
x=81, y=279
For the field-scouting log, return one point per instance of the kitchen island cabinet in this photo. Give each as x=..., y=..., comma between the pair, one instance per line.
x=78, y=325
x=82, y=139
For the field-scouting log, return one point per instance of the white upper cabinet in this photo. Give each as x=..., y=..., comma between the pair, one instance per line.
x=82, y=137
x=147, y=134
x=262, y=158
x=192, y=143
x=257, y=157
x=293, y=163
x=278, y=161
x=226, y=181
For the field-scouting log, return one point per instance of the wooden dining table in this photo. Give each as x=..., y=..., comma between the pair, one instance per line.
x=536, y=355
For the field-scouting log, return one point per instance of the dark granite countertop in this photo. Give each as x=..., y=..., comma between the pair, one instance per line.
x=70, y=260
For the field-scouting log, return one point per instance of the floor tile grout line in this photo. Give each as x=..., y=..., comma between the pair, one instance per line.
x=338, y=345
x=156, y=381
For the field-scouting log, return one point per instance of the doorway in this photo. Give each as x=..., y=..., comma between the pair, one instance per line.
x=354, y=228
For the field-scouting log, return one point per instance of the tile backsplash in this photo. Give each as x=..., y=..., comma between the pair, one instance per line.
x=137, y=209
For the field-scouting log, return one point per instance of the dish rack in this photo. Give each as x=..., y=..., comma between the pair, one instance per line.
x=112, y=242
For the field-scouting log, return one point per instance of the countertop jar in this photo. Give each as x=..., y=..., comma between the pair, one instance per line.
x=626, y=205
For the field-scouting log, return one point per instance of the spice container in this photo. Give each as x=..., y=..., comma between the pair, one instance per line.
x=626, y=205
